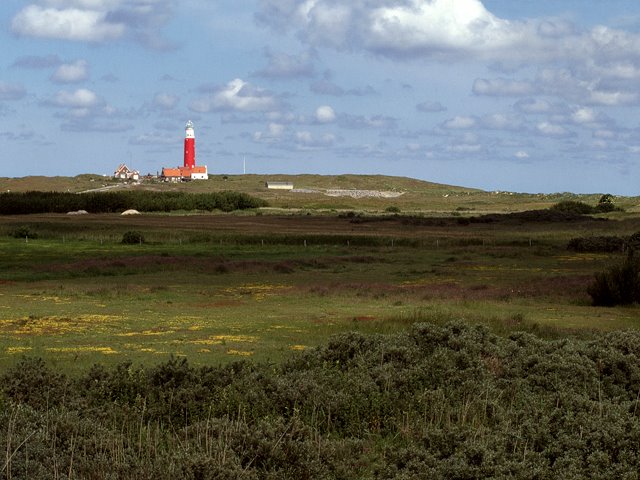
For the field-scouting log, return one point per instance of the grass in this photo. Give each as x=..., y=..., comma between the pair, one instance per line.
x=222, y=288
x=418, y=196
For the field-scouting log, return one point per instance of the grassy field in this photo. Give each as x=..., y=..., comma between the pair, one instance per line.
x=416, y=196
x=192, y=354
x=218, y=288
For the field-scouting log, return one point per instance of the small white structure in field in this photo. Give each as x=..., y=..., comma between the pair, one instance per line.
x=130, y=212
x=279, y=185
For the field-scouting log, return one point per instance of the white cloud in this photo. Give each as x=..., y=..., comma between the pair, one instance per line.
x=521, y=154
x=605, y=134
x=501, y=121
x=237, y=95
x=502, y=87
x=81, y=98
x=325, y=114
x=362, y=122
x=276, y=129
x=94, y=20
x=282, y=65
x=430, y=107
x=465, y=148
x=426, y=28
x=587, y=88
x=10, y=91
x=451, y=30
x=67, y=24
x=412, y=28
x=460, y=123
x=548, y=129
x=613, y=98
x=584, y=115
x=71, y=72
x=306, y=139
x=274, y=134
x=326, y=87
x=165, y=101
x=534, y=105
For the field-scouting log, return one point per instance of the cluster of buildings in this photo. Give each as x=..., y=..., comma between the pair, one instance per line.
x=188, y=171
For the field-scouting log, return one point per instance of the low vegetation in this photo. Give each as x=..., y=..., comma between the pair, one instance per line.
x=20, y=203
x=619, y=284
x=132, y=237
x=385, y=344
x=433, y=402
x=604, y=205
x=600, y=243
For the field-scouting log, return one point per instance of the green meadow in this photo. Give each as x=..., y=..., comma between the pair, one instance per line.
x=215, y=288
x=441, y=333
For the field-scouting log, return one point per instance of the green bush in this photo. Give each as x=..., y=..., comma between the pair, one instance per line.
x=619, y=285
x=574, y=207
x=132, y=237
x=633, y=243
x=597, y=244
x=453, y=401
x=15, y=203
x=23, y=232
x=606, y=204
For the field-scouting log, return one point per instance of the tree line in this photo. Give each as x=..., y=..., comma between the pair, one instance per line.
x=20, y=203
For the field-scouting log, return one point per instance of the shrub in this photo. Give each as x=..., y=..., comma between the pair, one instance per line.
x=452, y=401
x=597, y=244
x=14, y=203
x=574, y=207
x=392, y=209
x=605, y=208
x=606, y=204
x=23, y=232
x=606, y=198
x=132, y=237
x=620, y=285
x=634, y=242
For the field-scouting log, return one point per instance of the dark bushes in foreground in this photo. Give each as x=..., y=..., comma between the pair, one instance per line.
x=619, y=285
x=595, y=244
x=434, y=402
x=16, y=203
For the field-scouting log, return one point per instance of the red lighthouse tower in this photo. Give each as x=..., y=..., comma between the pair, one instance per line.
x=189, y=146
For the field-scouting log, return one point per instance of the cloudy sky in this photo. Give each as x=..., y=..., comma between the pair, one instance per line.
x=496, y=94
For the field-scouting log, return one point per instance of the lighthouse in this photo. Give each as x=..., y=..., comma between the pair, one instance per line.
x=189, y=170
x=189, y=146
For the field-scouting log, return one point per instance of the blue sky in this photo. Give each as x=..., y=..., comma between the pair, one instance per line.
x=501, y=94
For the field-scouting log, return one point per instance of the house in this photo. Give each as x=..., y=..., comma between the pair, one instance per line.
x=183, y=174
x=171, y=174
x=124, y=173
x=199, y=173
